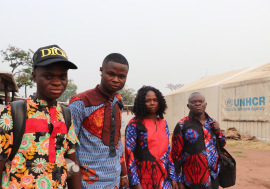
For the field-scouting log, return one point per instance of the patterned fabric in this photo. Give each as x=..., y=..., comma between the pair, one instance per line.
x=39, y=162
x=143, y=166
x=191, y=136
x=98, y=168
x=194, y=150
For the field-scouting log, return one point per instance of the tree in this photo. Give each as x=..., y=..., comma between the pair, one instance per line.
x=21, y=63
x=24, y=78
x=69, y=92
x=174, y=87
x=128, y=95
x=17, y=57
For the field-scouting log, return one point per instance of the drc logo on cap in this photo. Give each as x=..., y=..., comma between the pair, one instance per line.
x=229, y=102
x=53, y=51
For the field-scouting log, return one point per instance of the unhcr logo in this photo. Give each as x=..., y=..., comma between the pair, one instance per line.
x=255, y=101
x=245, y=104
x=229, y=102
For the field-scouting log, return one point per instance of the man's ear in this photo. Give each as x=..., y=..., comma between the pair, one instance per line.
x=188, y=106
x=34, y=76
x=100, y=69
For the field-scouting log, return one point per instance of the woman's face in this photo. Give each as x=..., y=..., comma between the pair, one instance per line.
x=151, y=102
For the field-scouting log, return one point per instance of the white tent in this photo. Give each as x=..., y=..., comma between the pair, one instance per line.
x=237, y=99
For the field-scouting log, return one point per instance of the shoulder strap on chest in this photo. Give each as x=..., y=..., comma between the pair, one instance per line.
x=67, y=116
x=18, y=113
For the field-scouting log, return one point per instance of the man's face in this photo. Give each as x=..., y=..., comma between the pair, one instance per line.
x=51, y=81
x=113, y=77
x=197, y=104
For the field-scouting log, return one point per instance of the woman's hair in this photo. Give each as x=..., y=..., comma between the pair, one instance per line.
x=139, y=108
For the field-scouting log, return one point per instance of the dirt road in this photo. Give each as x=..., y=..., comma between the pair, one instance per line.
x=253, y=168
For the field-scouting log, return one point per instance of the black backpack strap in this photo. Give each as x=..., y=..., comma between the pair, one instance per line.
x=121, y=106
x=67, y=116
x=18, y=113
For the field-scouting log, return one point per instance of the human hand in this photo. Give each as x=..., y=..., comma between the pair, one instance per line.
x=138, y=186
x=174, y=184
x=124, y=182
x=215, y=126
x=180, y=185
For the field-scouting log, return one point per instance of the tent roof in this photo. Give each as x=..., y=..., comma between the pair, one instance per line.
x=254, y=72
x=257, y=72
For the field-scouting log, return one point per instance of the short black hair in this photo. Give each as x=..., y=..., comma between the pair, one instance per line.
x=115, y=57
x=139, y=108
x=194, y=93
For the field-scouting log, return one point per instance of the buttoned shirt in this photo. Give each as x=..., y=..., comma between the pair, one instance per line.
x=194, y=151
x=40, y=161
x=100, y=154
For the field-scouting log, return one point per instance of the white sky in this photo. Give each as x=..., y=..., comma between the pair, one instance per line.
x=164, y=41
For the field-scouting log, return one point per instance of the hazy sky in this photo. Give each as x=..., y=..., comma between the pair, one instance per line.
x=164, y=41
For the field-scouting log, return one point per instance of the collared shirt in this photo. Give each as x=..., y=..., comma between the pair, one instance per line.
x=92, y=118
x=194, y=151
x=39, y=161
x=148, y=154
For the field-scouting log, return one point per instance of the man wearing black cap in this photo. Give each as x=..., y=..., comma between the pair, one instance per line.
x=40, y=161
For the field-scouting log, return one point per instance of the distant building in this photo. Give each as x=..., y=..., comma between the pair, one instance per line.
x=7, y=86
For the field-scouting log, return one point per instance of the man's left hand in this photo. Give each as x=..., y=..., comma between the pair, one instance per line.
x=124, y=182
x=174, y=184
x=215, y=126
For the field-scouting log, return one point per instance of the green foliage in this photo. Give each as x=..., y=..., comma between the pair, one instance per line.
x=21, y=63
x=128, y=95
x=17, y=57
x=174, y=87
x=69, y=92
x=24, y=79
x=241, y=155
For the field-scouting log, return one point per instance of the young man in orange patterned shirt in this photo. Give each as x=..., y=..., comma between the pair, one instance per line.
x=40, y=160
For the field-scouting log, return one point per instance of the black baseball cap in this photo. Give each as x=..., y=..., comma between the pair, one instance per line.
x=51, y=54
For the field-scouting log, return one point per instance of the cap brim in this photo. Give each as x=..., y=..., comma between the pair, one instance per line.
x=66, y=63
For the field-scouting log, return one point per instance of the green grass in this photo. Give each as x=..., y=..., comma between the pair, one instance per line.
x=248, y=144
x=237, y=152
x=241, y=155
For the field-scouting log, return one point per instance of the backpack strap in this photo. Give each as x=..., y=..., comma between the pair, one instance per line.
x=18, y=113
x=67, y=116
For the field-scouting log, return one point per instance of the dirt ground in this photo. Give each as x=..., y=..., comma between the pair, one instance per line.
x=253, y=168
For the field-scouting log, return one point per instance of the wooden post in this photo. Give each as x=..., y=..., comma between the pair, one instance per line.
x=6, y=92
x=13, y=95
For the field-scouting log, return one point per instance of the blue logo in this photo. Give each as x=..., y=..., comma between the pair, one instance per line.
x=255, y=101
x=229, y=102
x=246, y=104
x=191, y=136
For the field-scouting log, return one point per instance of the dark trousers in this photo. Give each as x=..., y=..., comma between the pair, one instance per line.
x=214, y=183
